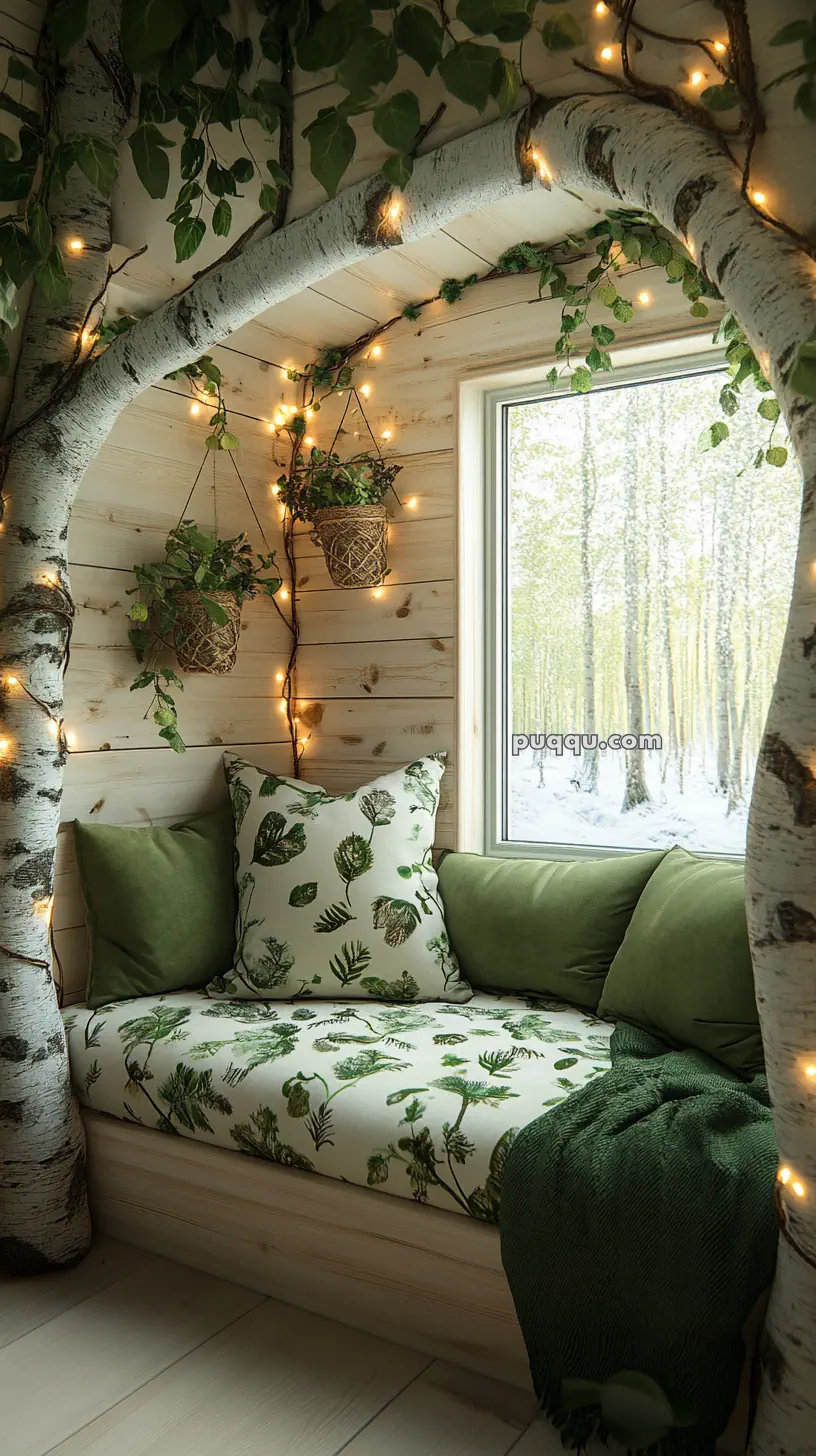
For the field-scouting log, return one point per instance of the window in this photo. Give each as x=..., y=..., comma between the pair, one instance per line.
x=641, y=587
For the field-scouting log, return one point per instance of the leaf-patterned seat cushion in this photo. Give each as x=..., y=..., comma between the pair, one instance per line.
x=337, y=893
x=420, y=1101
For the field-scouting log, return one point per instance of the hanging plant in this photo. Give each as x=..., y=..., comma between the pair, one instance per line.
x=191, y=602
x=345, y=502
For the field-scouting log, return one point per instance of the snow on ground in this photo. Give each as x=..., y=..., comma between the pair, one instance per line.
x=558, y=813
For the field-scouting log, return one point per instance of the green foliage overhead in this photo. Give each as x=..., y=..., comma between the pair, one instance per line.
x=802, y=33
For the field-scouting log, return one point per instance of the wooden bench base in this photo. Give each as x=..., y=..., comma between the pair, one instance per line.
x=418, y=1276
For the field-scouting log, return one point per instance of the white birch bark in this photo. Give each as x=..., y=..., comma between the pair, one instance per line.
x=648, y=158
x=589, y=489
x=44, y=1219
x=635, y=791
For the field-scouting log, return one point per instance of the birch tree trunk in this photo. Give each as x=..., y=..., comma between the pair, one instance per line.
x=589, y=485
x=672, y=750
x=635, y=791
x=44, y=1220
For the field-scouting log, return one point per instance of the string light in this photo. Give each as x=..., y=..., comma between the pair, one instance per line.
x=644, y=298
x=601, y=9
x=378, y=591
x=386, y=434
x=784, y=1175
x=376, y=351
x=365, y=390
x=279, y=676
x=282, y=708
x=308, y=414
x=395, y=209
x=70, y=739
x=4, y=747
x=275, y=489
x=720, y=48
x=53, y=727
x=195, y=409
x=87, y=337
x=283, y=593
x=759, y=197
x=76, y=245
x=607, y=54
x=541, y=167
x=12, y=682
x=412, y=503
x=696, y=78
x=308, y=440
x=810, y=1071
x=798, y=1188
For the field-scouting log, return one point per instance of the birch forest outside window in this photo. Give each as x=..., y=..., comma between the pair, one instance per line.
x=645, y=579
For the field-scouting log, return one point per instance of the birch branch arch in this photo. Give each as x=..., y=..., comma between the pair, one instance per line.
x=642, y=156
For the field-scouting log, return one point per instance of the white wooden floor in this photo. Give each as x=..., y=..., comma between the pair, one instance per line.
x=130, y=1354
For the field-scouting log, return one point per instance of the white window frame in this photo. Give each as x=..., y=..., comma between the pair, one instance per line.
x=482, y=698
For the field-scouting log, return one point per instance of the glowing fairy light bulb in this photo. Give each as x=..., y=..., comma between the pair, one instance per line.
x=720, y=48
x=811, y=1072
x=378, y=591
x=275, y=489
x=696, y=78
x=411, y=504
x=798, y=1188
x=282, y=708
x=644, y=298
x=4, y=747
x=386, y=434
x=308, y=440
x=279, y=676
x=365, y=390
x=607, y=54
x=283, y=594
x=87, y=337
x=759, y=197
x=308, y=414
x=601, y=9
x=76, y=245
x=784, y=1175
x=70, y=739
x=53, y=727
x=12, y=682
x=376, y=351
x=545, y=175
x=195, y=409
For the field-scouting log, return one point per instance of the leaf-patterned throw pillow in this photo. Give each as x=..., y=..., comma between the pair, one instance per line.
x=337, y=893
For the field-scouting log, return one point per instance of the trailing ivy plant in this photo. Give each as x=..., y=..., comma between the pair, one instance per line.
x=194, y=562
x=203, y=377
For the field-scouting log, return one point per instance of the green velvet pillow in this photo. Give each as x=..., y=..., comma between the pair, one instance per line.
x=160, y=905
x=551, y=926
x=684, y=969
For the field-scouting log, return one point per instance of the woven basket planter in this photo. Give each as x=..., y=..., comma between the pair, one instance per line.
x=353, y=539
x=200, y=645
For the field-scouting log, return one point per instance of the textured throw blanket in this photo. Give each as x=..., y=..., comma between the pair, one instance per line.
x=638, y=1230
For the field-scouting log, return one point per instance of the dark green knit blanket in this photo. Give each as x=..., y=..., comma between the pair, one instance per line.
x=637, y=1232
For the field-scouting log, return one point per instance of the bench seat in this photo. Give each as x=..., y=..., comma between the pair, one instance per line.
x=419, y=1101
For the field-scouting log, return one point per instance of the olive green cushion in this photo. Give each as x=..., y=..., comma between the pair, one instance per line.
x=550, y=926
x=684, y=969
x=160, y=905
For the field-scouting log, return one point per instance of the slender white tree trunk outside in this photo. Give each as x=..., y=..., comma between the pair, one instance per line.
x=648, y=158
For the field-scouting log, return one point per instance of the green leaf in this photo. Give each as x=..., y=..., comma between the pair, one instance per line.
x=193, y=152
x=98, y=159
x=608, y=295
x=631, y=248
x=729, y=400
x=332, y=144
x=398, y=169
x=268, y=198
x=714, y=435
x=720, y=98
x=397, y=120
x=276, y=172
x=372, y=61
x=789, y=34
x=148, y=147
x=222, y=218
x=52, y=278
x=242, y=170
x=769, y=410
x=508, y=19
x=776, y=455
x=67, y=22
x=331, y=36
x=467, y=72
x=229, y=441
x=138, y=612
x=187, y=237
x=420, y=36
x=147, y=31
x=39, y=227
x=505, y=85
x=19, y=71
x=581, y=381
x=276, y=843
x=552, y=378
x=805, y=99
x=562, y=32
x=602, y=335
x=676, y=268
x=803, y=374
x=302, y=895
x=623, y=310
x=19, y=254
x=699, y=309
